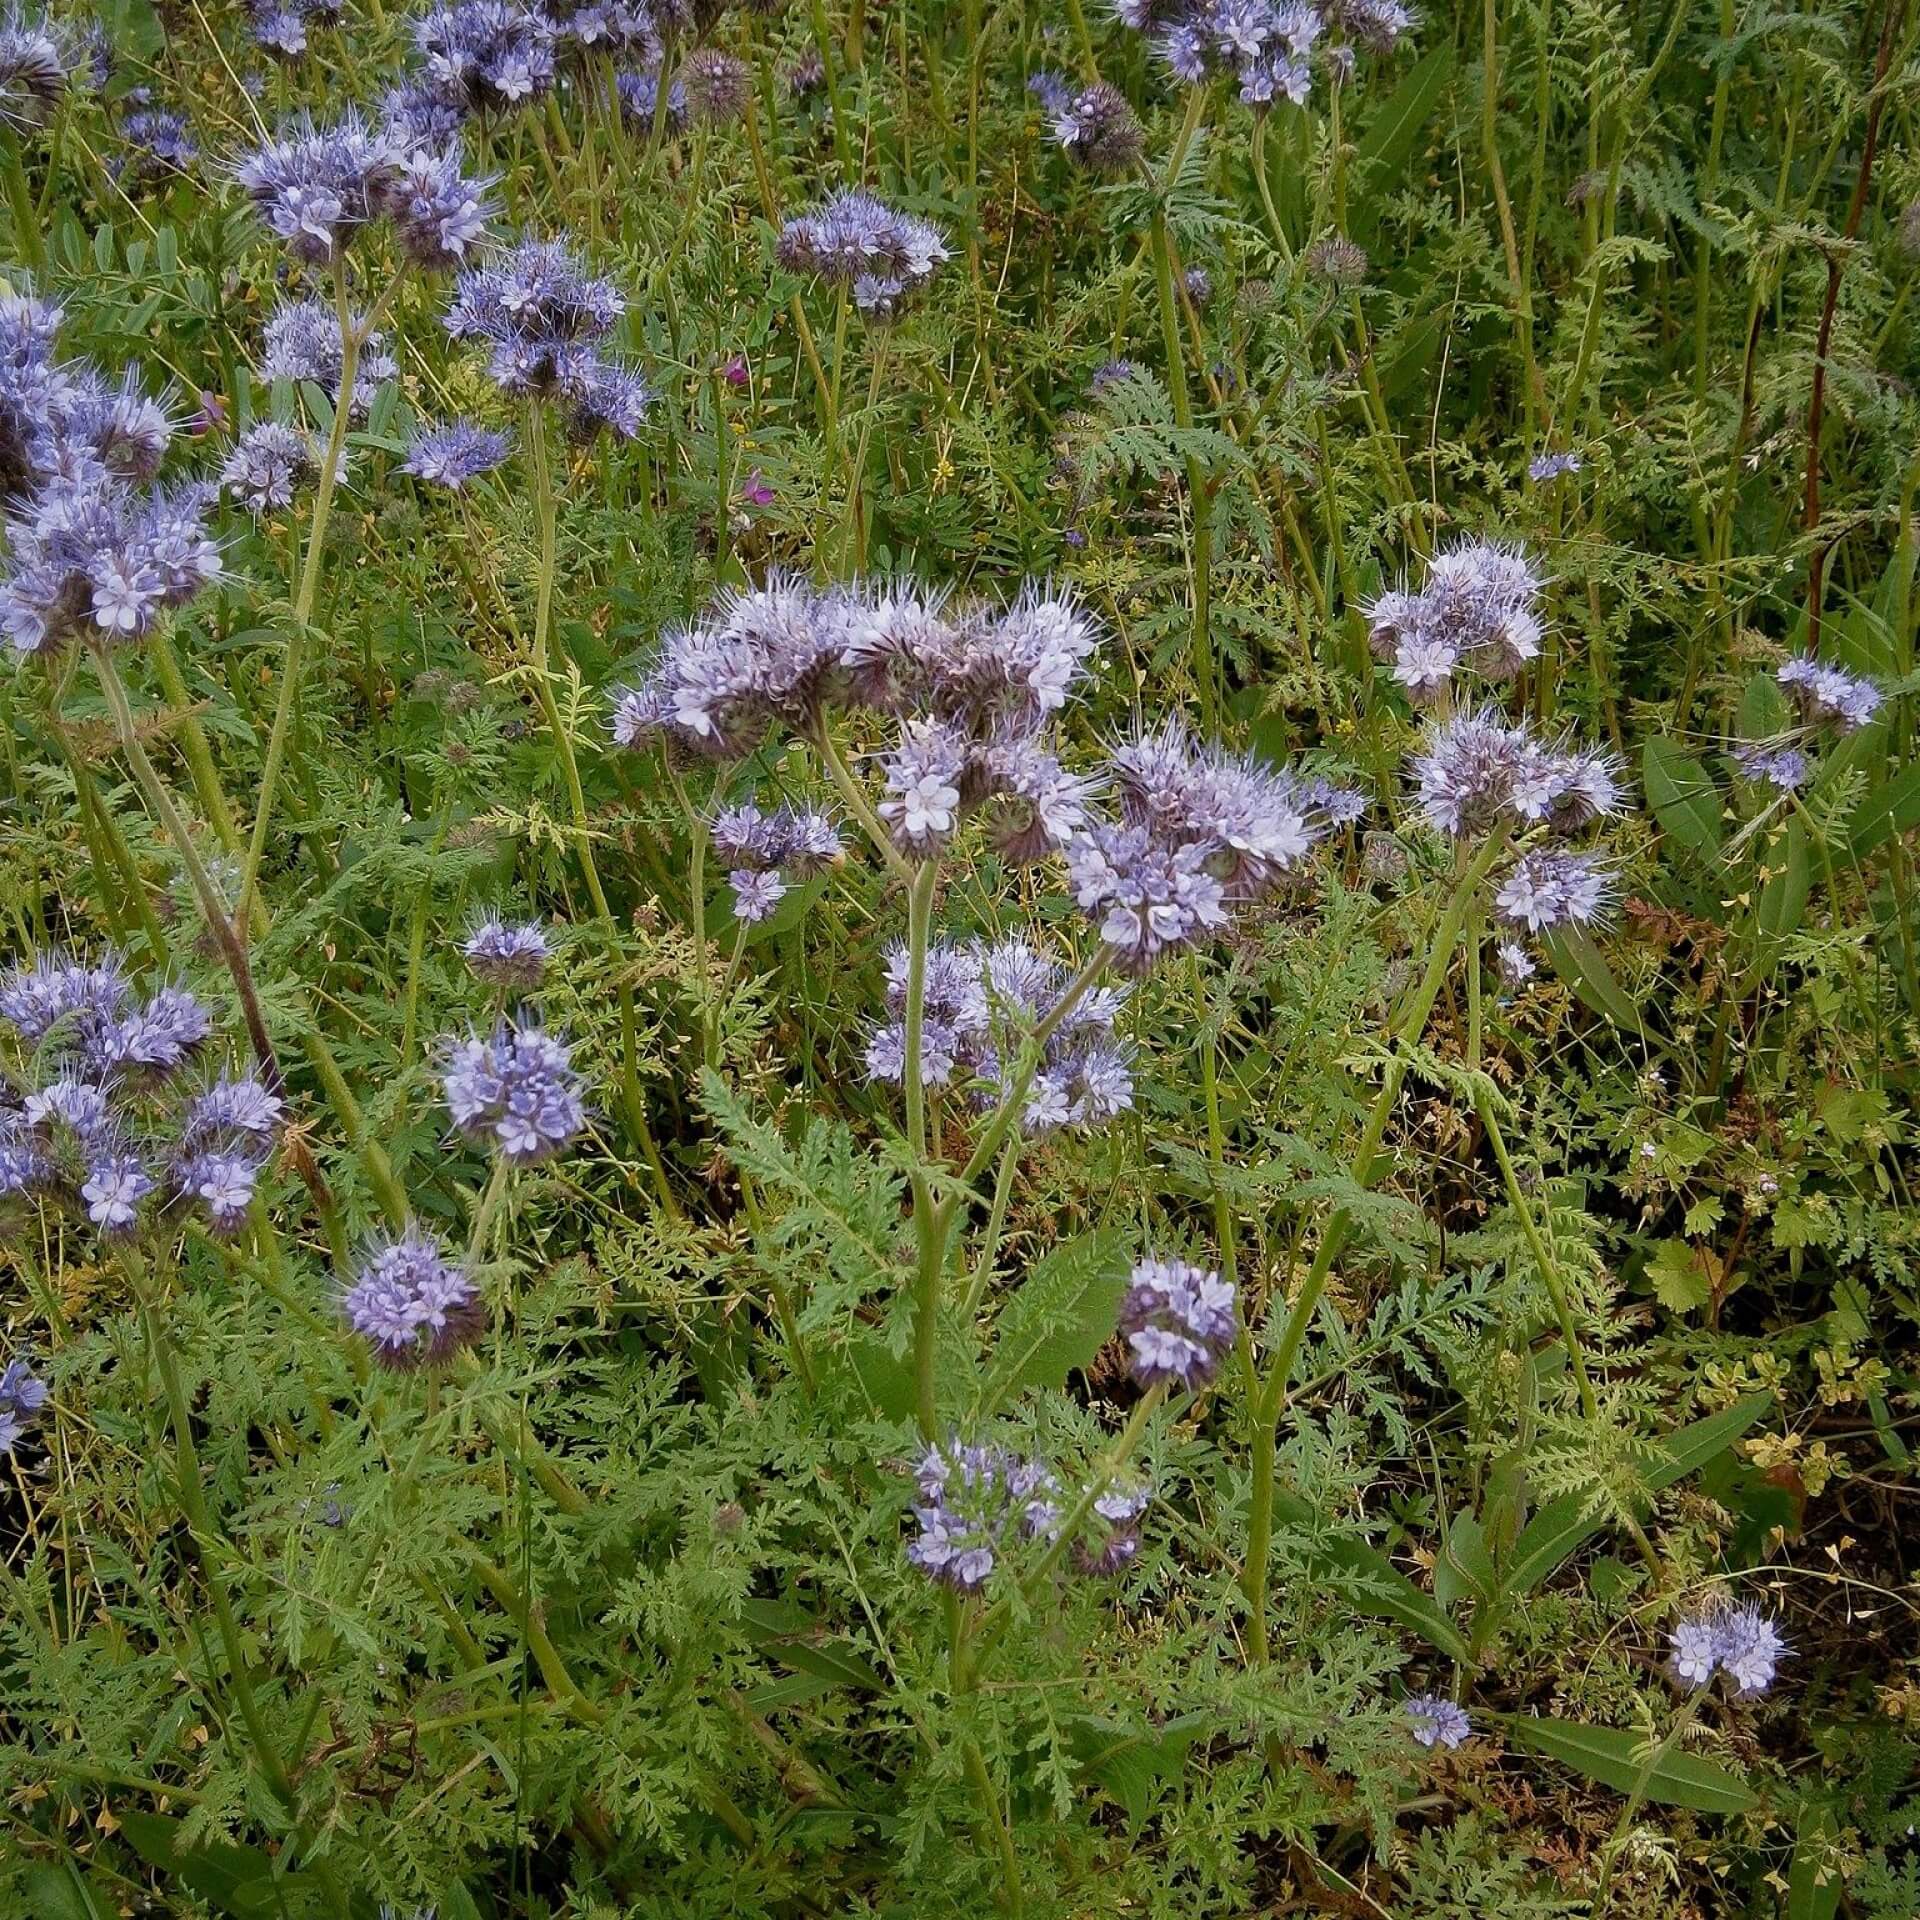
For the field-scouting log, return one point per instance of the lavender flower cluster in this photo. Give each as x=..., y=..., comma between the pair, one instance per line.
x=280, y=26
x=708, y=89
x=268, y=465
x=507, y=954
x=1094, y=125
x=514, y=1092
x=451, y=453
x=1120, y=1511
x=411, y=1304
x=763, y=850
x=857, y=242
x=1179, y=1321
x=1826, y=698
x=1479, y=610
x=318, y=187
x=96, y=552
x=980, y=1003
x=107, y=1123
x=1267, y=47
x=155, y=142
x=22, y=1395
x=36, y=64
x=1740, y=1642
x=302, y=342
x=978, y=693
x=1437, y=1721
x=544, y=321
x=974, y=1503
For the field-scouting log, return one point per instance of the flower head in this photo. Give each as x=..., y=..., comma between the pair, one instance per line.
x=302, y=342
x=755, y=895
x=1773, y=763
x=455, y=452
x=486, y=56
x=1740, y=1642
x=412, y=1304
x=1094, y=125
x=1438, y=1722
x=317, y=186
x=860, y=243
x=35, y=63
x=516, y=1092
x=1546, y=890
x=1830, y=695
x=1179, y=1321
x=974, y=1503
x=268, y=463
x=511, y=954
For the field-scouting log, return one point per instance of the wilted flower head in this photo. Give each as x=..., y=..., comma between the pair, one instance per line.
x=860, y=243
x=714, y=86
x=412, y=1304
x=504, y=953
x=515, y=1092
x=1831, y=695
x=269, y=462
x=1438, y=1722
x=974, y=1503
x=1740, y=1642
x=1179, y=1322
x=34, y=67
x=455, y=451
x=1094, y=125
x=317, y=186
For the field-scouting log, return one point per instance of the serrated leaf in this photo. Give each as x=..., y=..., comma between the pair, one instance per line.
x=1680, y=1281
x=1059, y=1319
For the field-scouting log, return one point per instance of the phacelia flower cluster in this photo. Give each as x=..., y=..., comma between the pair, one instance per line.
x=1179, y=1321
x=22, y=1396
x=280, y=27
x=1478, y=610
x=413, y=1305
x=980, y=1004
x=544, y=321
x=452, y=453
x=1202, y=833
x=106, y=1118
x=515, y=1092
x=764, y=851
x=1120, y=1510
x=511, y=955
x=976, y=1503
x=1829, y=696
x=857, y=242
x=1774, y=763
x=1739, y=1642
x=268, y=465
x=317, y=187
x=155, y=141
x=36, y=62
x=1093, y=125
x=1438, y=1722
x=486, y=56
x=1267, y=48
x=302, y=342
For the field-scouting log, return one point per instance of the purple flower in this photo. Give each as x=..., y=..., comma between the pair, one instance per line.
x=22, y=1395
x=268, y=462
x=860, y=243
x=1828, y=694
x=233, y=1111
x=412, y=1304
x=755, y=895
x=68, y=1105
x=974, y=1503
x=157, y=141
x=922, y=804
x=516, y=1092
x=316, y=187
x=1773, y=763
x=486, y=56
x=508, y=954
x=1145, y=898
x=1438, y=1722
x=222, y=1182
x=451, y=454
x=1121, y=1509
x=115, y=1185
x=35, y=64
x=1094, y=125
x=156, y=1037
x=1740, y=1642
x=37, y=995
x=756, y=493
x=438, y=213
x=1479, y=608
x=639, y=94
x=1179, y=1322
x=1474, y=771
x=302, y=342
x=1548, y=890
x=1552, y=466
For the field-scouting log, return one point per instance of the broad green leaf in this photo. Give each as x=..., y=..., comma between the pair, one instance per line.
x=1890, y=808
x=1129, y=1762
x=1623, y=1761
x=1584, y=968
x=1679, y=1281
x=1784, y=897
x=1563, y=1525
x=1395, y=129
x=1682, y=795
x=1380, y=1587
x=1060, y=1318
x=798, y=1640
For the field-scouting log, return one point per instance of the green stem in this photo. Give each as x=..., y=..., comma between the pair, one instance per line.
x=996, y=1225
x=27, y=236
x=351, y=337
x=929, y=1219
